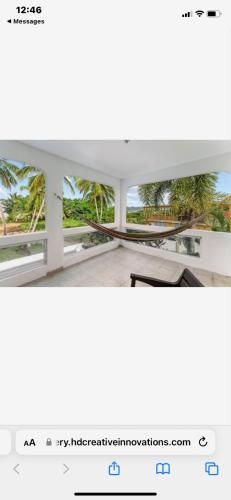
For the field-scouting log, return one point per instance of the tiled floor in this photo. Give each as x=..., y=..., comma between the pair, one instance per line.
x=113, y=269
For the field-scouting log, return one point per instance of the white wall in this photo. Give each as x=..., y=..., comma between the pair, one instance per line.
x=215, y=249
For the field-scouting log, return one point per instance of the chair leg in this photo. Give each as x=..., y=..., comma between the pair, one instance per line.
x=133, y=282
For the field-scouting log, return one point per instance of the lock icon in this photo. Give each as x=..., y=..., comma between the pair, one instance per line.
x=48, y=442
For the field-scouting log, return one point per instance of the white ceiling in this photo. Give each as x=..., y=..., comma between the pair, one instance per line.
x=137, y=157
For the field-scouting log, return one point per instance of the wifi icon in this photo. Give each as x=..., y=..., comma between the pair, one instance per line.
x=199, y=13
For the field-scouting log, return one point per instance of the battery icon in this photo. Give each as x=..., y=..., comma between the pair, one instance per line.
x=214, y=13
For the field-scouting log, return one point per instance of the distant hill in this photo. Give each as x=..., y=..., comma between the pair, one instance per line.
x=134, y=209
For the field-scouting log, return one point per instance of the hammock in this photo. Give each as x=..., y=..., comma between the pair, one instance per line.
x=148, y=236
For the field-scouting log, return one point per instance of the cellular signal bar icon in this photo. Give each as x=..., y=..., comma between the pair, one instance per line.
x=187, y=14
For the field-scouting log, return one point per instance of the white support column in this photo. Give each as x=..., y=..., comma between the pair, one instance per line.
x=117, y=206
x=54, y=186
x=123, y=203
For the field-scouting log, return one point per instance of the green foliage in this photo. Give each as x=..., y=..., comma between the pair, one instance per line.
x=96, y=203
x=154, y=193
x=135, y=217
x=25, y=226
x=189, y=196
x=8, y=179
x=16, y=208
x=74, y=209
x=98, y=196
x=28, y=210
x=192, y=196
x=36, y=186
x=219, y=221
x=8, y=174
x=67, y=223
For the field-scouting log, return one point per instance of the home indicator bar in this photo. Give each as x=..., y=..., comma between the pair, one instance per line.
x=116, y=494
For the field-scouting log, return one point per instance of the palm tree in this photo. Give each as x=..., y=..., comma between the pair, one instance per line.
x=219, y=221
x=97, y=194
x=8, y=179
x=192, y=196
x=154, y=193
x=15, y=206
x=36, y=187
x=189, y=196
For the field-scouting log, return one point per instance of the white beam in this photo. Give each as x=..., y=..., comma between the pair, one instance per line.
x=219, y=163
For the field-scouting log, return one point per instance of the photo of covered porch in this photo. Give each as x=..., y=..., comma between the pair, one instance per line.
x=49, y=245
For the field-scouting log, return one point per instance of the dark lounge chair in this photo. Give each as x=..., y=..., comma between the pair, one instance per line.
x=185, y=279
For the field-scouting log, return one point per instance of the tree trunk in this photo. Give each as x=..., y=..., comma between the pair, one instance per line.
x=32, y=220
x=38, y=215
x=101, y=208
x=3, y=220
x=97, y=210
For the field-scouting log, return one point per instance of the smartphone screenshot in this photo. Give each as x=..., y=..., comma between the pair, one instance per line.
x=115, y=173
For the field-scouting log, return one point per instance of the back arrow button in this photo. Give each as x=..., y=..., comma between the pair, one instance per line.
x=15, y=468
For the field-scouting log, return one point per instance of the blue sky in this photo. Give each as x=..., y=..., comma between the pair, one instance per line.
x=224, y=183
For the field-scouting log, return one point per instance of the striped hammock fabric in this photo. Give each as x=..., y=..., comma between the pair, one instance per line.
x=148, y=236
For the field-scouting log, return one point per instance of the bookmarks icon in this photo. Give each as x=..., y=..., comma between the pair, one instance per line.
x=163, y=468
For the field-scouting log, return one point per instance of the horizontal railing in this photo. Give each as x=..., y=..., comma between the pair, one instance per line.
x=22, y=237
x=215, y=248
x=167, y=213
x=28, y=252
x=22, y=252
x=160, y=210
x=84, y=241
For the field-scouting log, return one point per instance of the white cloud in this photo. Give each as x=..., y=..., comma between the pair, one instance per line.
x=133, y=197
